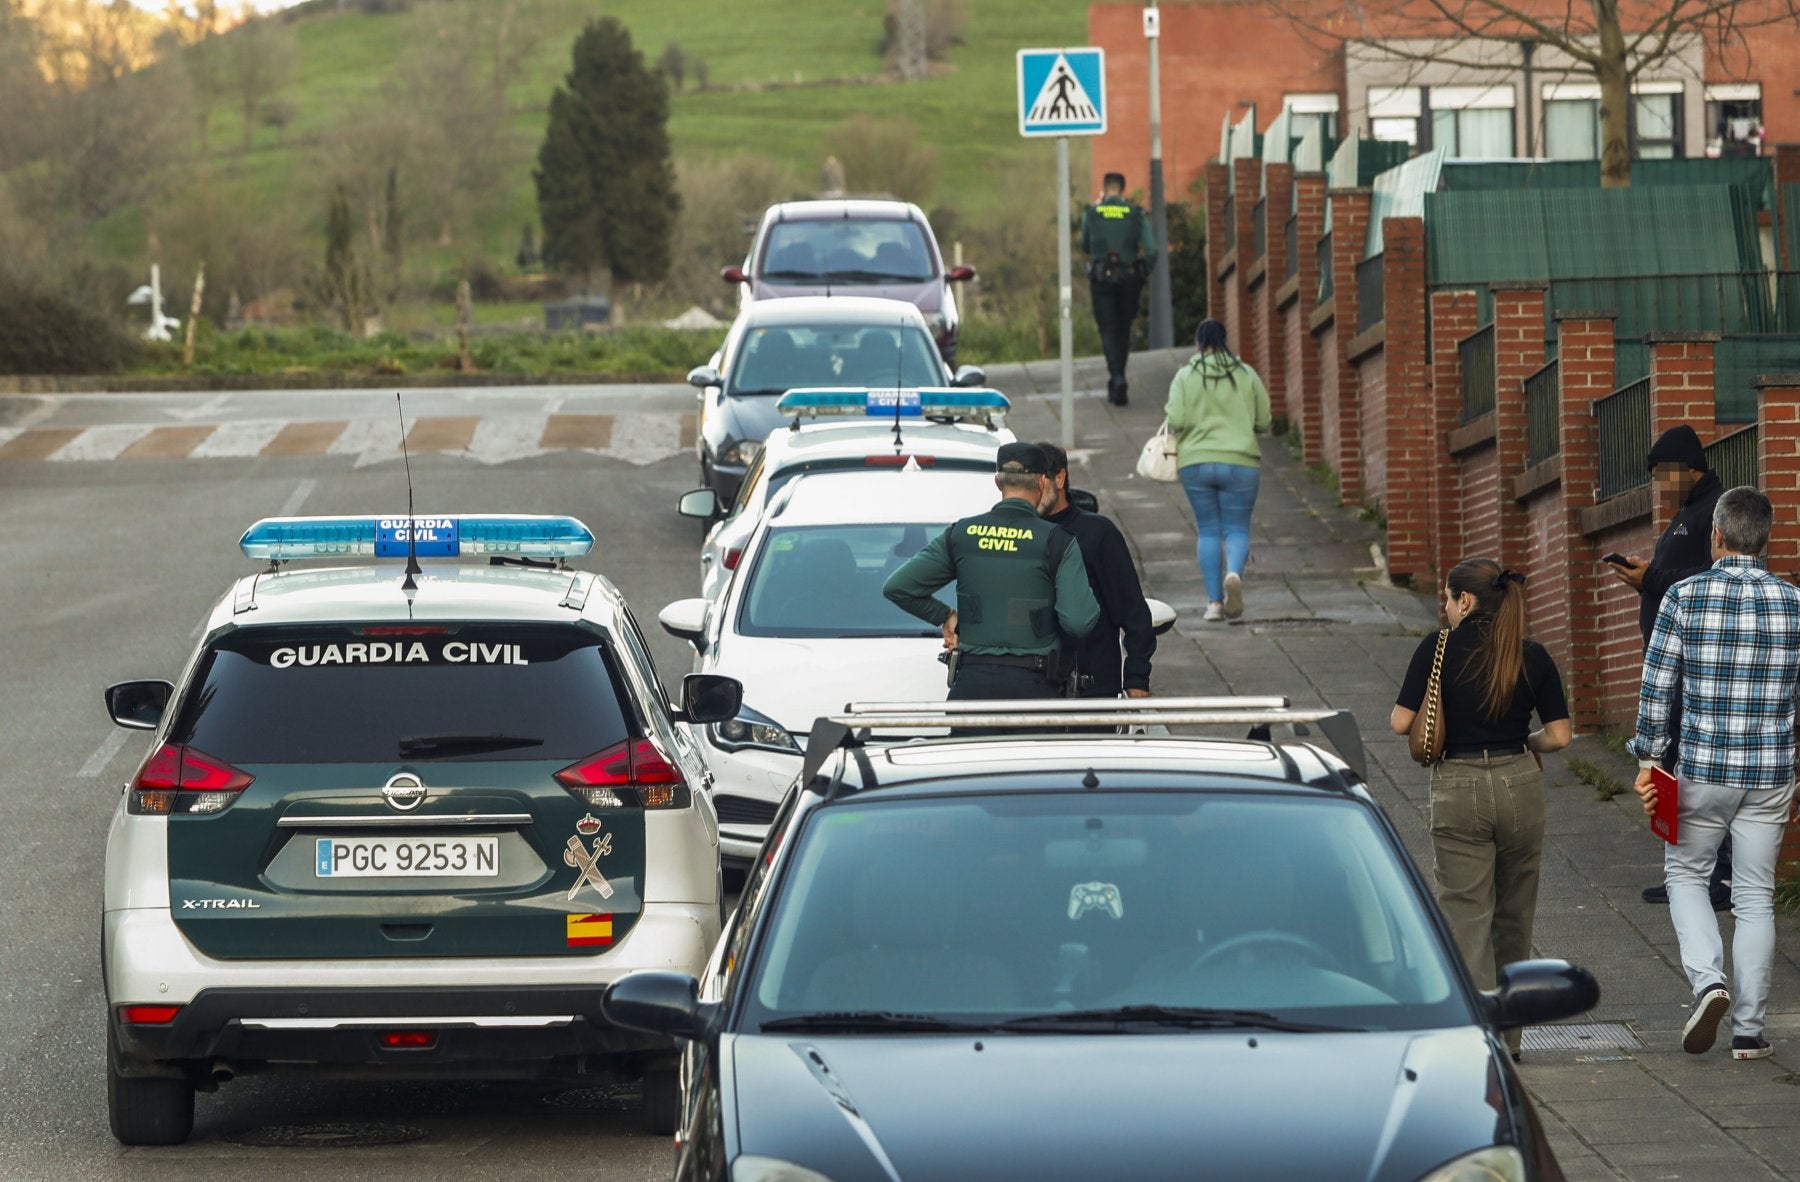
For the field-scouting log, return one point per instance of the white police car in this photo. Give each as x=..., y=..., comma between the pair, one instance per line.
x=849, y=429
x=403, y=822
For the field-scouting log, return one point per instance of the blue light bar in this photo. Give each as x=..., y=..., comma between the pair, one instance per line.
x=933, y=402
x=281, y=539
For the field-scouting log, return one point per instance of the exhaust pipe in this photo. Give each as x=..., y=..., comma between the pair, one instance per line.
x=222, y=1072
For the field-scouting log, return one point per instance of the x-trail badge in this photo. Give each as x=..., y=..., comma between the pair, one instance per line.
x=404, y=792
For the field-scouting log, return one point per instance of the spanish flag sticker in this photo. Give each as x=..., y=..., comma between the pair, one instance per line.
x=589, y=931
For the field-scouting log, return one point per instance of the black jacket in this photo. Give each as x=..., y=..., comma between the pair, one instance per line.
x=1122, y=608
x=1683, y=551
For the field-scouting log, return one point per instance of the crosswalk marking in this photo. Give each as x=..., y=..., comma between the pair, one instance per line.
x=636, y=437
x=237, y=440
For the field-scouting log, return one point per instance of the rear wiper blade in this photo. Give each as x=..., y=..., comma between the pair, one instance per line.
x=1193, y=1017
x=445, y=744
x=873, y=1020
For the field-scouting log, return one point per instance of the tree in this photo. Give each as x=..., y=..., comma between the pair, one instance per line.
x=1612, y=42
x=344, y=284
x=605, y=181
x=673, y=64
x=194, y=31
x=259, y=60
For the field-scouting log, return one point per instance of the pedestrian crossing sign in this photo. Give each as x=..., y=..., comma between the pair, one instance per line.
x=1062, y=92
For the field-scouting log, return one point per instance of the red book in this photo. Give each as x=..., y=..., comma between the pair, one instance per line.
x=1665, y=819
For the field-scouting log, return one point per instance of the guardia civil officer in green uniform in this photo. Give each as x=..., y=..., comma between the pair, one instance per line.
x=1021, y=587
x=1115, y=234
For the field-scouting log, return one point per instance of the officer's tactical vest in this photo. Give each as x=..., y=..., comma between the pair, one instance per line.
x=1117, y=226
x=1006, y=580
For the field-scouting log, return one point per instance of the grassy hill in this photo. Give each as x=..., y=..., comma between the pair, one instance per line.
x=781, y=76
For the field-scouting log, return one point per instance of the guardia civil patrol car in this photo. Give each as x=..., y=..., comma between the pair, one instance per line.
x=407, y=820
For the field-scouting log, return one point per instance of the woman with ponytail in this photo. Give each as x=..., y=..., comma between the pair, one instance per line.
x=1487, y=794
x=1217, y=407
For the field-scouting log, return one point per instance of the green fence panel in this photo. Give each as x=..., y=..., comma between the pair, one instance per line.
x=1738, y=360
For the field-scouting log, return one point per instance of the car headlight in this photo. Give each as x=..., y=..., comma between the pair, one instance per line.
x=1497, y=1163
x=750, y=1168
x=743, y=454
x=752, y=729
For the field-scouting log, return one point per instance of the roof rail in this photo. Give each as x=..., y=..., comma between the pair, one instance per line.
x=859, y=718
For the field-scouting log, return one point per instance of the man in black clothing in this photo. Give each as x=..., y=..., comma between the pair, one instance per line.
x=1683, y=483
x=1114, y=579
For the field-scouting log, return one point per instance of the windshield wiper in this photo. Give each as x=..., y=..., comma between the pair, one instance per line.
x=874, y=277
x=1190, y=1017
x=792, y=275
x=448, y=744
x=760, y=390
x=874, y=1020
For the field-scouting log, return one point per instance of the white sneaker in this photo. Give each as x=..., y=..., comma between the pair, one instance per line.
x=1214, y=611
x=1234, y=595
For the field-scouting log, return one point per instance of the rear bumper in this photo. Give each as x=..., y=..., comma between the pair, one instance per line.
x=470, y=1027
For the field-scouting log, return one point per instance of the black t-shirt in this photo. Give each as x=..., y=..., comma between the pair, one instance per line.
x=1466, y=724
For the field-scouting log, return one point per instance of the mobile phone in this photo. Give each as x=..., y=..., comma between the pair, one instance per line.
x=1617, y=559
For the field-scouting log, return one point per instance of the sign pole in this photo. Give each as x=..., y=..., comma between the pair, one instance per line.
x=1065, y=293
x=1161, y=311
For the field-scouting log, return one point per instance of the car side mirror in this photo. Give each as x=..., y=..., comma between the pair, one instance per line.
x=138, y=705
x=708, y=697
x=1084, y=500
x=660, y=1003
x=969, y=375
x=700, y=502
x=733, y=274
x=1532, y=992
x=1162, y=616
x=702, y=376
x=686, y=619
x=960, y=273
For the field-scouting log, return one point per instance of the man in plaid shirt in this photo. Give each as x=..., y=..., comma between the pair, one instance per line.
x=1728, y=642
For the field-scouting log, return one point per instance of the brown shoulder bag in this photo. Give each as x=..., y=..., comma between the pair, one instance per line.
x=1425, y=741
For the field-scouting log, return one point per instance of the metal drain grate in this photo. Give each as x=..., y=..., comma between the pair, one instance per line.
x=618, y=1097
x=332, y=1135
x=1580, y=1036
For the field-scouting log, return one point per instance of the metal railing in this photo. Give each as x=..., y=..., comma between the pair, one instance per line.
x=1325, y=287
x=1230, y=222
x=1476, y=352
x=1370, y=293
x=1734, y=458
x=1543, y=415
x=1622, y=423
x=1290, y=235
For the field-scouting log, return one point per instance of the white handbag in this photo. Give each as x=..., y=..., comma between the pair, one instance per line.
x=1157, y=460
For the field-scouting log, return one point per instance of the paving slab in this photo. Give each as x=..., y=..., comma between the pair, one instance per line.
x=1323, y=625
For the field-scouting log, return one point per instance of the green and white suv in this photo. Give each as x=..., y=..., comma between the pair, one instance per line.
x=404, y=820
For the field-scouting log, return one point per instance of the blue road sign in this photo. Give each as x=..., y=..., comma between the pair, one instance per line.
x=1062, y=92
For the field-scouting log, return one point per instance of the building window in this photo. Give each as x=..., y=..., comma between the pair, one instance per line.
x=1306, y=111
x=1394, y=113
x=1656, y=121
x=1734, y=119
x=1472, y=122
x=1572, y=121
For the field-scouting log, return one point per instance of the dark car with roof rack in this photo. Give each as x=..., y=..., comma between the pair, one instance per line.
x=1048, y=954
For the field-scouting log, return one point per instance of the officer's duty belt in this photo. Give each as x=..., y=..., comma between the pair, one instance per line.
x=1011, y=661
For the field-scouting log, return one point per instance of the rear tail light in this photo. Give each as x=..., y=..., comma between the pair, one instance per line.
x=733, y=555
x=180, y=779
x=408, y=1040
x=899, y=461
x=632, y=771
x=148, y=1015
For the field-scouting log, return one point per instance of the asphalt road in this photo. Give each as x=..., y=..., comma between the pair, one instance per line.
x=119, y=519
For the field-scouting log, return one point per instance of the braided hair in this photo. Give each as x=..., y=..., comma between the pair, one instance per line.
x=1209, y=338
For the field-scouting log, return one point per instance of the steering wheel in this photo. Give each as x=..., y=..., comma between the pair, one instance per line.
x=1270, y=938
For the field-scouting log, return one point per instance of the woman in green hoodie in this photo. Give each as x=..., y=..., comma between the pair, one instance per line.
x=1217, y=407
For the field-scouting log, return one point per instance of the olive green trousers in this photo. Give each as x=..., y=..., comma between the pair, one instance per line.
x=1487, y=843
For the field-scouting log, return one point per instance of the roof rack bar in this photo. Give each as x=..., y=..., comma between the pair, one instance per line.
x=1051, y=721
x=1062, y=706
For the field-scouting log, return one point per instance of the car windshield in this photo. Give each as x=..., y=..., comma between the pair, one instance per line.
x=381, y=693
x=777, y=359
x=849, y=252
x=1017, y=908
x=825, y=581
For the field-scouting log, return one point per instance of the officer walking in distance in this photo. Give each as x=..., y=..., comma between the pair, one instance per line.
x=1115, y=235
x=1021, y=588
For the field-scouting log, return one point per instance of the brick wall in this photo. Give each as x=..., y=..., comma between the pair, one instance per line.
x=1406, y=486
x=1297, y=351
x=1261, y=331
x=1778, y=466
x=1518, y=353
x=1372, y=411
x=1218, y=184
x=1482, y=492
x=1453, y=317
x=1585, y=369
x=1303, y=372
x=1349, y=231
x=1681, y=386
x=1246, y=186
x=1326, y=343
x=1278, y=183
x=1546, y=567
x=1619, y=646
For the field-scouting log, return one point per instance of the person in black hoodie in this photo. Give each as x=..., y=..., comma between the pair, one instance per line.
x=1115, y=581
x=1681, y=480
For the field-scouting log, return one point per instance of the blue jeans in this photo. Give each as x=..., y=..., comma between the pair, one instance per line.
x=1222, y=496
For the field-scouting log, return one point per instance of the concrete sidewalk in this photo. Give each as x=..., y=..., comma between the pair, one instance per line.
x=1321, y=624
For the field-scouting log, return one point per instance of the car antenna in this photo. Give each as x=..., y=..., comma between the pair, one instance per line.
x=412, y=530
x=899, y=373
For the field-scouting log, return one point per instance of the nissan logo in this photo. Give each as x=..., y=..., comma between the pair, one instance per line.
x=404, y=792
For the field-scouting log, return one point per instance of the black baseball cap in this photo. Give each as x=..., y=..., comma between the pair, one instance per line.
x=1027, y=458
